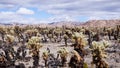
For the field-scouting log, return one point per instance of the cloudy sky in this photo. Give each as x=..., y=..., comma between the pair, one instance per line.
x=45, y=11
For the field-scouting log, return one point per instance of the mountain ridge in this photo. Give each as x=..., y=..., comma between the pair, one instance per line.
x=90, y=23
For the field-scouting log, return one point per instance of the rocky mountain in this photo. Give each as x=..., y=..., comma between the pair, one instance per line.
x=101, y=23
x=90, y=23
x=64, y=23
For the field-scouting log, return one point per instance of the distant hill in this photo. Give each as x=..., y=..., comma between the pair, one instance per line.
x=90, y=23
x=64, y=23
x=5, y=24
x=9, y=24
x=101, y=23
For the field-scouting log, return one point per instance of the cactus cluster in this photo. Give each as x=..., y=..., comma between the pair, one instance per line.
x=98, y=53
x=79, y=39
x=2, y=30
x=9, y=38
x=63, y=55
x=32, y=32
x=34, y=43
x=76, y=55
x=34, y=36
x=45, y=56
x=63, y=52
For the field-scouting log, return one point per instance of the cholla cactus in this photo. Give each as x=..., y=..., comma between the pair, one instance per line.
x=65, y=39
x=100, y=45
x=11, y=32
x=76, y=55
x=82, y=30
x=50, y=36
x=63, y=55
x=109, y=31
x=63, y=52
x=2, y=59
x=55, y=38
x=98, y=52
x=57, y=32
x=17, y=31
x=76, y=60
x=2, y=31
x=34, y=43
x=45, y=31
x=68, y=31
x=79, y=39
x=45, y=57
x=9, y=38
x=80, y=43
x=32, y=32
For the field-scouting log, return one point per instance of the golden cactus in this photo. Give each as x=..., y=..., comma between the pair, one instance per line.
x=2, y=30
x=34, y=43
x=63, y=55
x=63, y=52
x=17, y=29
x=98, y=52
x=77, y=56
x=65, y=39
x=31, y=32
x=79, y=39
x=9, y=38
x=45, y=55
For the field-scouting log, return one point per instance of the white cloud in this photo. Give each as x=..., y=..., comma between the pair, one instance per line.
x=25, y=11
x=10, y=17
x=7, y=6
x=61, y=18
